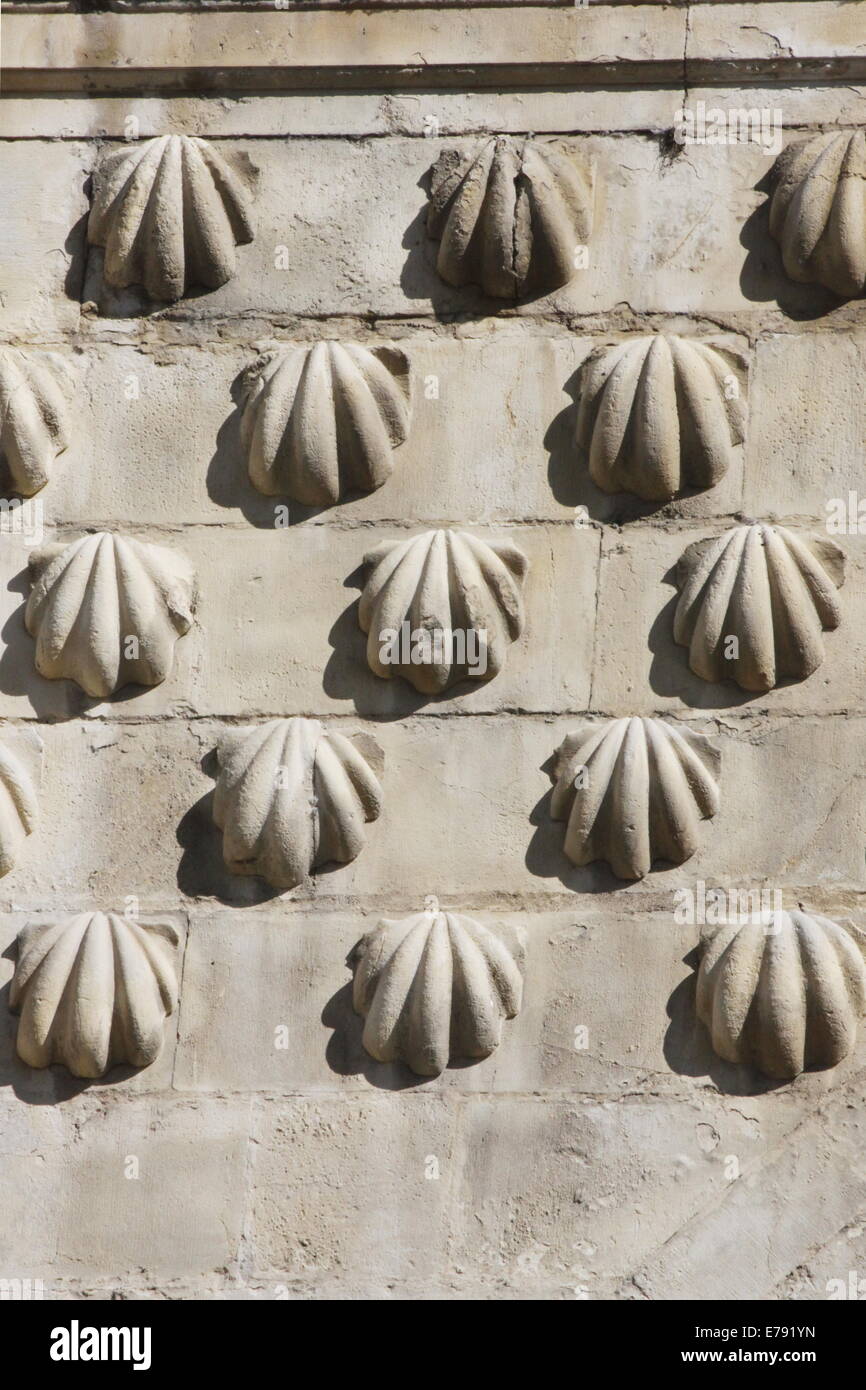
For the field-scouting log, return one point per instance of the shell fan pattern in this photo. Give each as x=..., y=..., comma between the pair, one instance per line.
x=169, y=213
x=754, y=603
x=34, y=410
x=291, y=797
x=633, y=791
x=818, y=211
x=93, y=991
x=441, y=608
x=659, y=414
x=106, y=610
x=782, y=992
x=509, y=217
x=323, y=421
x=19, y=807
x=434, y=987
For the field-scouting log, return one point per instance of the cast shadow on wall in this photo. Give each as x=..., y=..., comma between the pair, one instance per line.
x=345, y=1053
x=568, y=470
x=688, y=1050
x=51, y=700
x=546, y=857
x=670, y=675
x=347, y=675
x=76, y=249
x=420, y=279
x=228, y=482
x=42, y=1085
x=762, y=276
x=202, y=871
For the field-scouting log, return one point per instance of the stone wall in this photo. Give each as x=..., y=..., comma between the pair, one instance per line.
x=265, y=1153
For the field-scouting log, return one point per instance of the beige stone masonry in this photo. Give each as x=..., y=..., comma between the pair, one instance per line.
x=634, y=1122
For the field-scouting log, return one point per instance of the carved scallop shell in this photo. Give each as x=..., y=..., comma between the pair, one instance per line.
x=509, y=217
x=659, y=414
x=432, y=987
x=93, y=991
x=461, y=597
x=323, y=421
x=19, y=808
x=34, y=428
x=292, y=796
x=169, y=212
x=818, y=211
x=633, y=791
x=768, y=590
x=782, y=993
x=107, y=610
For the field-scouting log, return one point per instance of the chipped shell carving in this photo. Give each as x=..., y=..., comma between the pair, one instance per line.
x=818, y=211
x=659, y=414
x=767, y=589
x=19, y=808
x=292, y=796
x=106, y=611
x=441, y=607
x=782, y=992
x=34, y=425
x=323, y=421
x=633, y=791
x=93, y=992
x=509, y=217
x=169, y=212
x=434, y=987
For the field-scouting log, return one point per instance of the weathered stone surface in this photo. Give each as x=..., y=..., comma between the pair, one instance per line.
x=93, y=991
x=268, y=654
x=633, y=791
x=555, y=1186
x=774, y=30
x=321, y=421
x=292, y=797
x=441, y=608
x=784, y=991
x=494, y=416
x=602, y=1149
x=434, y=987
x=143, y=1171
x=97, y=770
x=343, y=256
x=394, y=1168
x=661, y=414
x=769, y=1210
x=364, y=113
x=330, y=40
x=34, y=401
x=240, y=1030
x=647, y=670
x=169, y=214
x=106, y=611
x=43, y=253
x=754, y=602
x=808, y=421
